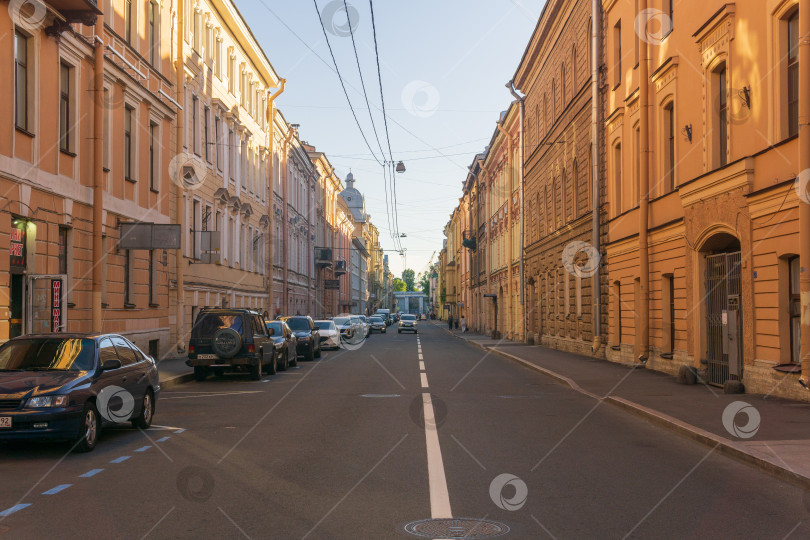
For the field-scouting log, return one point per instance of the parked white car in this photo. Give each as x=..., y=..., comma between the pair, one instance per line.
x=330, y=336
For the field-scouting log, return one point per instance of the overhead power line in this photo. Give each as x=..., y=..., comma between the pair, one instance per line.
x=342, y=85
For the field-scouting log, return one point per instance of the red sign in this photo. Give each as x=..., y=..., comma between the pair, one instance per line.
x=56, y=305
x=16, y=248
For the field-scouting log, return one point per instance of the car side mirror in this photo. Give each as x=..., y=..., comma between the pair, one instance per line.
x=271, y=332
x=316, y=327
x=110, y=365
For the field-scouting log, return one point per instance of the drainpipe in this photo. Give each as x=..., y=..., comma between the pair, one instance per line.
x=511, y=86
x=285, y=216
x=271, y=116
x=804, y=165
x=98, y=175
x=597, y=278
x=644, y=197
x=180, y=207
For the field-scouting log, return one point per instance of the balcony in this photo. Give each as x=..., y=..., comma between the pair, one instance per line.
x=340, y=267
x=323, y=257
x=468, y=239
x=74, y=11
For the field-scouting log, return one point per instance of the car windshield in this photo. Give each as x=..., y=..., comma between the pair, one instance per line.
x=356, y=320
x=58, y=354
x=408, y=317
x=325, y=325
x=275, y=326
x=299, y=324
x=211, y=322
x=376, y=320
x=342, y=321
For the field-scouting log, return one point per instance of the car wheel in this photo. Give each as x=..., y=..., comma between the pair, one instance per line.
x=311, y=354
x=200, y=373
x=318, y=352
x=256, y=370
x=294, y=361
x=219, y=372
x=144, y=420
x=273, y=366
x=282, y=366
x=89, y=428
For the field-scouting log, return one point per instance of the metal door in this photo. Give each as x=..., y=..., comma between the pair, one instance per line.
x=723, y=318
x=45, y=304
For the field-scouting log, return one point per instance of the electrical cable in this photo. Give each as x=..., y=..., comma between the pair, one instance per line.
x=342, y=85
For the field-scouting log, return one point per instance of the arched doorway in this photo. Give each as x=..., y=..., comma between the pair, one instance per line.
x=722, y=295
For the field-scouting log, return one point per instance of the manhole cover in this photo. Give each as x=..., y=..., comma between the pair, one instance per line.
x=469, y=528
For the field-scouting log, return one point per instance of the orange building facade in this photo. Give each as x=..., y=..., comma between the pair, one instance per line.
x=702, y=147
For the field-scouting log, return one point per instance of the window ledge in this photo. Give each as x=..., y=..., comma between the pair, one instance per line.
x=153, y=190
x=127, y=305
x=105, y=169
x=153, y=305
x=24, y=131
x=132, y=180
x=788, y=368
x=67, y=152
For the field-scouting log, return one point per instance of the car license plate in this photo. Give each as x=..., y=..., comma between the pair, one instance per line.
x=5, y=421
x=206, y=357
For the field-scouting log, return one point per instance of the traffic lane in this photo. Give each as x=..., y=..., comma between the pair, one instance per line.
x=311, y=460
x=597, y=470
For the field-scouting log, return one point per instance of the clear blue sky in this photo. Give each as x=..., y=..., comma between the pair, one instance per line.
x=444, y=65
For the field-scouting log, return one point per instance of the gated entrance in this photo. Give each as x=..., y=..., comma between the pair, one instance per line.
x=724, y=353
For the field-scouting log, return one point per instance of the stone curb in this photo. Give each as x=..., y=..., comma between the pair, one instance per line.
x=175, y=381
x=725, y=446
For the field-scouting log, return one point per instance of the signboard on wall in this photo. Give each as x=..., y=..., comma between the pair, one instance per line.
x=56, y=305
x=16, y=246
x=149, y=236
x=331, y=284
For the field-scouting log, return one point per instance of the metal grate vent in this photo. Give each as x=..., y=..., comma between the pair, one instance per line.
x=468, y=528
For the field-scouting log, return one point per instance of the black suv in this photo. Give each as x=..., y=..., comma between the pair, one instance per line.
x=307, y=334
x=230, y=340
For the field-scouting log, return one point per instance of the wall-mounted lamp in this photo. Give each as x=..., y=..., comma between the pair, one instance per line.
x=687, y=130
x=745, y=95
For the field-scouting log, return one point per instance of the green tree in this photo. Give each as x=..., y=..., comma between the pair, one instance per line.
x=399, y=285
x=424, y=283
x=409, y=277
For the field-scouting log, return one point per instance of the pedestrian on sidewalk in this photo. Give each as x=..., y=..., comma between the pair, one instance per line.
x=450, y=322
x=463, y=322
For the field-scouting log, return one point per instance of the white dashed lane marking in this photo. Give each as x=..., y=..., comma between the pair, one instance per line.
x=421, y=366
x=424, y=380
x=120, y=459
x=143, y=448
x=90, y=474
x=57, y=489
x=15, y=508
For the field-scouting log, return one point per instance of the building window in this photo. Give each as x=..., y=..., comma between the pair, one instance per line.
x=668, y=313
x=721, y=116
x=562, y=87
x=231, y=156
x=65, y=142
x=197, y=29
x=63, y=250
x=617, y=177
x=194, y=135
x=668, y=7
x=218, y=141
x=218, y=58
x=153, y=157
x=128, y=20
x=793, y=74
x=128, y=274
x=795, y=312
x=21, y=85
x=154, y=33
x=206, y=134
x=128, y=144
x=153, y=278
x=617, y=54
x=669, y=147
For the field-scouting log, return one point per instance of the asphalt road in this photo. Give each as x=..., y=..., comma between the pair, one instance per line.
x=338, y=448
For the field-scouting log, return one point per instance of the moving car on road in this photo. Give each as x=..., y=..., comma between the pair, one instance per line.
x=377, y=324
x=407, y=323
x=61, y=386
x=230, y=340
x=307, y=334
x=330, y=336
x=286, y=346
x=386, y=316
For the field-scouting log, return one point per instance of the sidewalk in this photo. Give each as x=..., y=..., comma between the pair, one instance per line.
x=777, y=442
x=174, y=371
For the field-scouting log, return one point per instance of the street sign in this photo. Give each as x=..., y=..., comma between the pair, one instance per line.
x=149, y=236
x=331, y=284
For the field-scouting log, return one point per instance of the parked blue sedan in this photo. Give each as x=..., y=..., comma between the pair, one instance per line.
x=68, y=386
